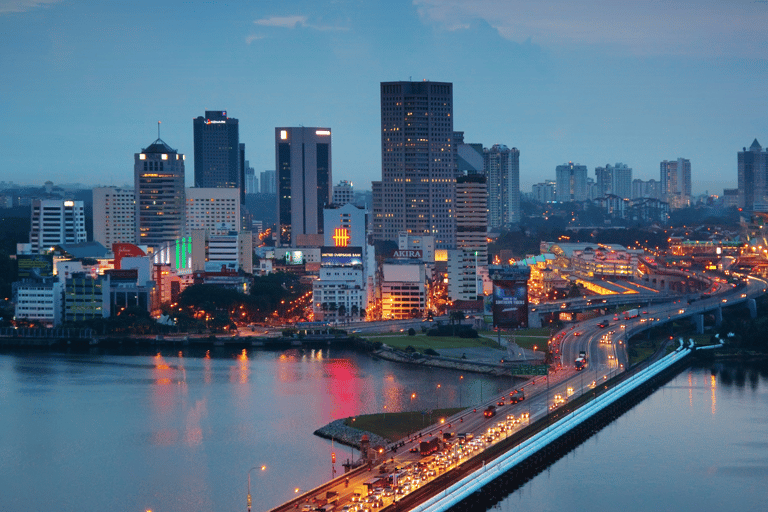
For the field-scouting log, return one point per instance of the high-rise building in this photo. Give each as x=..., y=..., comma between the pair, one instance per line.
x=218, y=151
x=267, y=182
x=159, y=184
x=251, y=180
x=646, y=189
x=114, y=215
x=614, y=180
x=303, y=161
x=213, y=209
x=676, y=182
x=472, y=216
x=55, y=222
x=417, y=187
x=502, y=169
x=571, y=183
x=343, y=193
x=753, y=177
x=544, y=192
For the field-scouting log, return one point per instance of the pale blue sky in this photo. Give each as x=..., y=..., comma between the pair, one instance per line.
x=594, y=81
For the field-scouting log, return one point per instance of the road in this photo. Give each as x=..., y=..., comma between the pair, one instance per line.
x=607, y=356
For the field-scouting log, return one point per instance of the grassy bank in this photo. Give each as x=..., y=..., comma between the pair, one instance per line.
x=397, y=425
x=422, y=342
x=525, y=338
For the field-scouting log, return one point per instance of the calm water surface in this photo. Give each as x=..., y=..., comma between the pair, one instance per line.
x=179, y=434
x=700, y=443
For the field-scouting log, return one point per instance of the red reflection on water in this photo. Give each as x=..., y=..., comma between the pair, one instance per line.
x=343, y=387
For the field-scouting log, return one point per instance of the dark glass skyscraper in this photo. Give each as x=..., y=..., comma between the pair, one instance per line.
x=217, y=152
x=303, y=179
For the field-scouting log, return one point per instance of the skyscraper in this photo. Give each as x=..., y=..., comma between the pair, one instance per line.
x=343, y=193
x=676, y=182
x=571, y=183
x=303, y=161
x=158, y=173
x=218, y=152
x=616, y=180
x=418, y=182
x=753, y=176
x=267, y=182
x=502, y=169
x=472, y=215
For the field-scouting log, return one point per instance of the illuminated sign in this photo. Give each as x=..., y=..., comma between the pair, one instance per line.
x=341, y=237
x=283, y=134
x=69, y=203
x=294, y=258
x=322, y=132
x=208, y=121
x=414, y=254
x=34, y=265
x=341, y=257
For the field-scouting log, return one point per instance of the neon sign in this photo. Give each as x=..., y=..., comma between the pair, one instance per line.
x=341, y=237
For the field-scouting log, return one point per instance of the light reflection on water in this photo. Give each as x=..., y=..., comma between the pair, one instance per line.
x=698, y=443
x=171, y=432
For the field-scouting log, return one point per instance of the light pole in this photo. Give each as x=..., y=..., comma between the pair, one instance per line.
x=461, y=380
x=438, y=396
x=263, y=468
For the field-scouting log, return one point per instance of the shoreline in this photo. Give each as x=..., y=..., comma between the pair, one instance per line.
x=338, y=432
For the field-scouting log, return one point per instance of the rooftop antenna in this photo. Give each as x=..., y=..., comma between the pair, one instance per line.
x=158, y=129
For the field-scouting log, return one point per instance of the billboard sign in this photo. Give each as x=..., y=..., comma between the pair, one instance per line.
x=294, y=257
x=341, y=256
x=35, y=266
x=510, y=296
x=408, y=254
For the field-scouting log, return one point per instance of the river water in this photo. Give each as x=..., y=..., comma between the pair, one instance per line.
x=178, y=433
x=175, y=433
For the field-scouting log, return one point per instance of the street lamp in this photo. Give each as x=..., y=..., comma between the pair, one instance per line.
x=438, y=396
x=461, y=380
x=263, y=468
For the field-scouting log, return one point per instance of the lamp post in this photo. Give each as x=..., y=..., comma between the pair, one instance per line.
x=461, y=380
x=263, y=468
x=438, y=396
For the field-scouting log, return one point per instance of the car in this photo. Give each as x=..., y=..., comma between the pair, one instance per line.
x=500, y=402
x=577, y=333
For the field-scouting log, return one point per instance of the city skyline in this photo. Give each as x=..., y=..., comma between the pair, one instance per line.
x=647, y=90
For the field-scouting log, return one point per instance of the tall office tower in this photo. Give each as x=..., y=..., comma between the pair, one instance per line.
x=472, y=215
x=616, y=180
x=56, y=222
x=303, y=161
x=502, y=168
x=251, y=180
x=267, y=182
x=676, y=182
x=158, y=173
x=418, y=183
x=114, y=216
x=571, y=183
x=218, y=151
x=343, y=193
x=753, y=176
x=213, y=209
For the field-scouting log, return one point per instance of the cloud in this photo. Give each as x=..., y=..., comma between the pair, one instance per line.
x=254, y=37
x=283, y=21
x=294, y=22
x=23, y=5
x=707, y=28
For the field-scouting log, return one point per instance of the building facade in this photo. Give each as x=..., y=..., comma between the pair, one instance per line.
x=218, y=152
x=614, y=180
x=676, y=182
x=343, y=193
x=159, y=184
x=501, y=166
x=56, y=222
x=417, y=187
x=753, y=177
x=303, y=161
x=213, y=209
x=571, y=183
x=472, y=215
x=267, y=182
x=114, y=216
